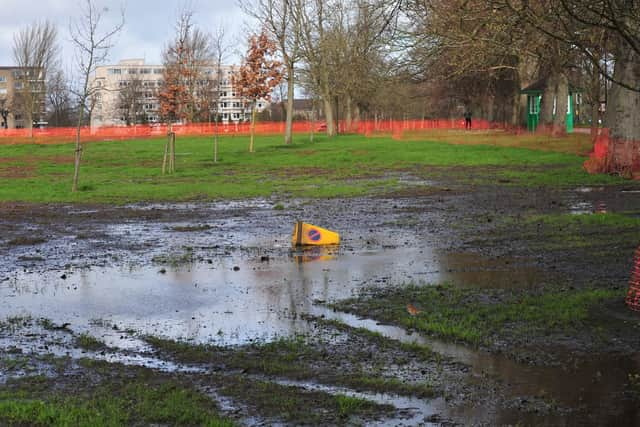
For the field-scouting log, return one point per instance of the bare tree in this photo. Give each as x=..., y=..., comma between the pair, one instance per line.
x=312, y=17
x=34, y=51
x=220, y=50
x=58, y=99
x=131, y=99
x=92, y=44
x=185, y=60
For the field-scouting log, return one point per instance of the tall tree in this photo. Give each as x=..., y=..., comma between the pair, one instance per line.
x=92, y=44
x=313, y=18
x=279, y=19
x=185, y=59
x=58, y=99
x=259, y=74
x=34, y=51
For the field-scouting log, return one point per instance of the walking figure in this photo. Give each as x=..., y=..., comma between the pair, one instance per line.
x=467, y=119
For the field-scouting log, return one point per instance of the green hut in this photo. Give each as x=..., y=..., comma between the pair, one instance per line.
x=534, y=97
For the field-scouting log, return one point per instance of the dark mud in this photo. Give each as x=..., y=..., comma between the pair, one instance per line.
x=224, y=275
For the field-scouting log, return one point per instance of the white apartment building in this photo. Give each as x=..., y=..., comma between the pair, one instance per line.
x=112, y=80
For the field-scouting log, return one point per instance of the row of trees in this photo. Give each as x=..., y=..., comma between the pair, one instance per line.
x=380, y=58
x=354, y=55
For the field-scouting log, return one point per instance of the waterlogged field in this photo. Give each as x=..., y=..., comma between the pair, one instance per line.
x=480, y=280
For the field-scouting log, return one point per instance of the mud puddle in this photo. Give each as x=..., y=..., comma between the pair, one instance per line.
x=596, y=384
x=236, y=299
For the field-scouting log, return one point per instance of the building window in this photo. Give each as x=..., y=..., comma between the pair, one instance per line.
x=19, y=85
x=533, y=105
x=114, y=71
x=133, y=71
x=3, y=79
x=3, y=91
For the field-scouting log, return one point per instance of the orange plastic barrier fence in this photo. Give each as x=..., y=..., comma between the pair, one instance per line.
x=368, y=128
x=633, y=296
x=611, y=155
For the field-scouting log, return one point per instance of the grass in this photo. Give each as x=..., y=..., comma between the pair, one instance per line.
x=592, y=232
x=294, y=358
x=130, y=171
x=132, y=403
x=478, y=317
x=88, y=342
x=617, y=220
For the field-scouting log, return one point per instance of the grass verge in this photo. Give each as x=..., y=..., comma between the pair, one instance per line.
x=130, y=171
x=480, y=317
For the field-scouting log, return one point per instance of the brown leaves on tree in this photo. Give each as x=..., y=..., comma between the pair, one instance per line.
x=259, y=73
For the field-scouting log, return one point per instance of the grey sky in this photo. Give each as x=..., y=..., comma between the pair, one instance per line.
x=148, y=24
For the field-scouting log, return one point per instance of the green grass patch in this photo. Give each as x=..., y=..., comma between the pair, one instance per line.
x=132, y=403
x=130, y=171
x=478, y=317
x=593, y=232
x=348, y=405
x=89, y=342
x=618, y=220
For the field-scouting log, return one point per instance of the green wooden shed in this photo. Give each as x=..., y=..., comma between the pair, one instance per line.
x=534, y=99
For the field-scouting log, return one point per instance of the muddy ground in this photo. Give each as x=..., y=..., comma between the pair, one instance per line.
x=211, y=296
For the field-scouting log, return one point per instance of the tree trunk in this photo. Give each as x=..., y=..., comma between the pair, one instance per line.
x=328, y=106
x=288, y=133
x=559, y=127
x=515, y=107
x=548, y=104
x=215, y=140
x=595, y=116
x=78, y=152
x=253, y=126
x=594, y=95
x=347, y=115
x=328, y=114
x=623, y=118
x=356, y=117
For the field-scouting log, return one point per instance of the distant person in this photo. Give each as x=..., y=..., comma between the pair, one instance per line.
x=467, y=119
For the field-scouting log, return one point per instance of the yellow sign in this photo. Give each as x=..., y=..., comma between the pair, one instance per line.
x=306, y=234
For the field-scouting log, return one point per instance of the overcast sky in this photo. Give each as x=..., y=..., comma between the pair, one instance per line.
x=149, y=24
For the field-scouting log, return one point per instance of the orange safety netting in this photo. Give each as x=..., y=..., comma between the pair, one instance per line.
x=612, y=155
x=367, y=128
x=633, y=296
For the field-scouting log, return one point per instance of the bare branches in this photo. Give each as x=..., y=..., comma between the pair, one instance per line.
x=35, y=50
x=92, y=44
x=185, y=58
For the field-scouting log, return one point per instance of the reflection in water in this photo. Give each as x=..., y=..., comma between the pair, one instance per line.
x=315, y=253
x=216, y=303
x=260, y=300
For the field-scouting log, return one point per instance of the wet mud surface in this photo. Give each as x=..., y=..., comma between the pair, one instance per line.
x=212, y=294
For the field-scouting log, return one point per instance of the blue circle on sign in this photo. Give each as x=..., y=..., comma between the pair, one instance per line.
x=314, y=235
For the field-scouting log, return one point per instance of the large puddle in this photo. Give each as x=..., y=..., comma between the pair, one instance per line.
x=237, y=298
